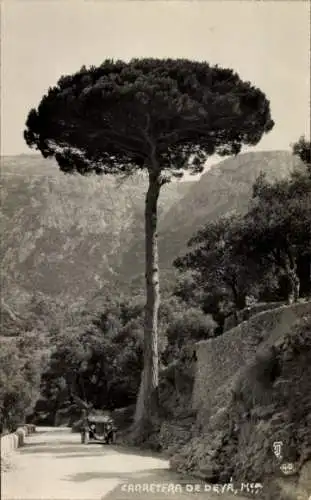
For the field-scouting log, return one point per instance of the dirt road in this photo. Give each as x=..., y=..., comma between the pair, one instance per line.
x=54, y=465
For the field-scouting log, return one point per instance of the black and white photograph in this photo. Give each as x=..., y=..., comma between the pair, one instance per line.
x=155, y=313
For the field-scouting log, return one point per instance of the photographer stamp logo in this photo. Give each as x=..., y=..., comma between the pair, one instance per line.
x=277, y=449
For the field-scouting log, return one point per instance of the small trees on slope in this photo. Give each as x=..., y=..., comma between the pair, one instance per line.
x=270, y=242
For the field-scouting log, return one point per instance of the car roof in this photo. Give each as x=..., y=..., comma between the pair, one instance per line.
x=99, y=419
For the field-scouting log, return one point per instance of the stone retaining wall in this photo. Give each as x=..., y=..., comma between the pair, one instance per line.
x=220, y=359
x=10, y=442
x=244, y=315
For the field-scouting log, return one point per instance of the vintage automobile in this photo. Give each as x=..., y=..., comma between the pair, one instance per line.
x=98, y=428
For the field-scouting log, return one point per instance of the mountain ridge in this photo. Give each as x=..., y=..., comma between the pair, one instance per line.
x=65, y=234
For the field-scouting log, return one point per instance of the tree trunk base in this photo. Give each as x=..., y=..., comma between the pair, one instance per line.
x=142, y=430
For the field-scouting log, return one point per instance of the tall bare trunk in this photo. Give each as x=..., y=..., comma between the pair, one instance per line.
x=150, y=380
x=139, y=410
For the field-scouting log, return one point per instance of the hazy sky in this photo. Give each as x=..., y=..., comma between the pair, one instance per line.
x=267, y=42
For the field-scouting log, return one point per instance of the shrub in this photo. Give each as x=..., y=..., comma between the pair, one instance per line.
x=186, y=328
x=20, y=371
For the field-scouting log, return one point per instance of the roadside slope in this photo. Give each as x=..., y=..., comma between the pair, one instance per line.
x=252, y=388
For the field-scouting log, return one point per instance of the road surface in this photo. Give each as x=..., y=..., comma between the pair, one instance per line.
x=54, y=465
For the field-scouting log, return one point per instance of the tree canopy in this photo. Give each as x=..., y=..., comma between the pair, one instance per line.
x=120, y=117
x=279, y=217
x=218, y=268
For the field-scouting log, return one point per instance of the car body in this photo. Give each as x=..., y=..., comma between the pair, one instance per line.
x=98, y=428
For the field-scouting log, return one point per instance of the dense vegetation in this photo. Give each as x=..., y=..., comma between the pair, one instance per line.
x=95, y=358
x=98, y=361
x=22, y=361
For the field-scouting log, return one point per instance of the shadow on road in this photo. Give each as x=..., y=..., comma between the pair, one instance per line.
x=145, y=475
x=42, y=448
x=81, y=455
x=127, y=450
x=66, y=449
x=78, y=450
x=128, y=481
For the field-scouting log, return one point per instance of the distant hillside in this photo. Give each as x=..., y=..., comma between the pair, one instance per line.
x=65, y=235
x=226, y=187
